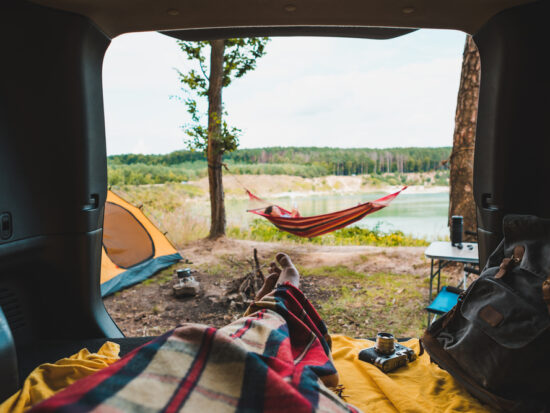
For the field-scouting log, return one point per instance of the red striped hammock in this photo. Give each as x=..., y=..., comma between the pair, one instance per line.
x=309, y=227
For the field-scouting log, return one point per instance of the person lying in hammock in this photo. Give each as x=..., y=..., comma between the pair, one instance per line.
x=275, y=211
x=276, y=358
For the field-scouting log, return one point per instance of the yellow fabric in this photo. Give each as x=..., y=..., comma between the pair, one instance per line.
x=50, y=378
x=420, y=386
x=162, y=245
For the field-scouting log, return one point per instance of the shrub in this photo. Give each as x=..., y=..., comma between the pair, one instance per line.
x=261, y=230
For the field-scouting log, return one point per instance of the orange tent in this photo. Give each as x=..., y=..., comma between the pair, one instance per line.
x=133, y=247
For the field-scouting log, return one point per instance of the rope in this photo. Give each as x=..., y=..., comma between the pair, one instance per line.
x=234, y=177
x=242, y=185
x=229, y=172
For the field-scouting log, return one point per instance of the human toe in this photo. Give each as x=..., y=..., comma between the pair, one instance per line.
x=274, y=268
x=268, y=286
x=284, y=260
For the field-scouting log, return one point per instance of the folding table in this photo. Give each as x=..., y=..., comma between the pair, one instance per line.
x=445, y=253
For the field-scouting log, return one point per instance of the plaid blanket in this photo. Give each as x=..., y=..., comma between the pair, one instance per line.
x=274, y=359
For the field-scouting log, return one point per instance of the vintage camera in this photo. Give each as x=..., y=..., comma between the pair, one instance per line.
x=387, y=354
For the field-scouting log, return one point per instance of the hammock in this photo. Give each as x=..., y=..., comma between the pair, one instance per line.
x=309, y=227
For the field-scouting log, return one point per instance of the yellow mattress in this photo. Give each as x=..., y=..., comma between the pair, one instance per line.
x=421, y=386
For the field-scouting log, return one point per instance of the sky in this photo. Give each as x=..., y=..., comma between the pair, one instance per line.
x=306, y=91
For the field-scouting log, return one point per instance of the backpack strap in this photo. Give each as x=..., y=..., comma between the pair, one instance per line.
x=509, y=263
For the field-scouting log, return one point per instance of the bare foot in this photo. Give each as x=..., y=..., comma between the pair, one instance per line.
x=278, y=276
x=269, y=285
x=289, y=272
x=274, y=269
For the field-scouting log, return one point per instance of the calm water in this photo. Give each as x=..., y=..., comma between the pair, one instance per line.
x=421, y=215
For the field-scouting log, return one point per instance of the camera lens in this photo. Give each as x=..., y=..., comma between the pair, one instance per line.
x=385, y=343
x=457, y=223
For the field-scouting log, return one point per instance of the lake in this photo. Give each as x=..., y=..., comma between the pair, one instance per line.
x=422, y=215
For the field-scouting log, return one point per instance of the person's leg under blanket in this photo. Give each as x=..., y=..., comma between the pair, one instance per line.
x=275, y=358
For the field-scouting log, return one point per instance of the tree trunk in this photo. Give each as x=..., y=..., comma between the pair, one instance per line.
x=214, y=150
x=461, y=198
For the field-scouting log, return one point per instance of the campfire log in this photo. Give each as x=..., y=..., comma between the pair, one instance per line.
x=251, y=283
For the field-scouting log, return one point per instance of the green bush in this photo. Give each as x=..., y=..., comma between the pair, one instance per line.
x=305, y=171
x=335, y=161
x=147, y=174
x=143, y=174
x=261, y=230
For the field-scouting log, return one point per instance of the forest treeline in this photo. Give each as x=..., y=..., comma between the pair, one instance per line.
x=306, y=162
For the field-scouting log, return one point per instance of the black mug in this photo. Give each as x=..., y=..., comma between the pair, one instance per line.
x=457, y=224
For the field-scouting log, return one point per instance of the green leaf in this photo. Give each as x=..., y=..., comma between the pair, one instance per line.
x=240, y=57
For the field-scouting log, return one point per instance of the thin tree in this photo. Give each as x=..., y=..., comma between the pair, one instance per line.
x=229, y=59
x=374, y=157
x=461, y=197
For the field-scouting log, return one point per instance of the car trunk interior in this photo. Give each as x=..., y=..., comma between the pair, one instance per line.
x=53, y=163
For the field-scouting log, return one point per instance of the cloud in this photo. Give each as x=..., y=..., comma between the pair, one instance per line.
x=305, y=91
x=408, y=105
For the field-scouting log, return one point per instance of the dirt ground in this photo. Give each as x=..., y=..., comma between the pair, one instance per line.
x=359, y=290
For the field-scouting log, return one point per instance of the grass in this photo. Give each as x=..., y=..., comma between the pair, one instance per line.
x=362, y=306
x=216, y=269
x=171, y=208
x=162, y=278
x=359, y=304
x=260, y=230
x=339, y=271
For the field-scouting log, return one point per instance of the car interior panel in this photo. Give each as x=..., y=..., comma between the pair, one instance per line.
x=53, y=159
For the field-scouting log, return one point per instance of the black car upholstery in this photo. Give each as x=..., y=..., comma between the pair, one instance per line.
x=53, y=173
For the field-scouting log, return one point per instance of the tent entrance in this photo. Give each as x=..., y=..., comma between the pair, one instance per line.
x=126, y=241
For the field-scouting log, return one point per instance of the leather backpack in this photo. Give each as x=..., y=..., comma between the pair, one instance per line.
x=496, y=340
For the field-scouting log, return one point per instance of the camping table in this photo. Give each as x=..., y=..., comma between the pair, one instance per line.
x=445, y=253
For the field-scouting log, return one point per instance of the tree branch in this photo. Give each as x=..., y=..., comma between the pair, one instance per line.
x=203, y=71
